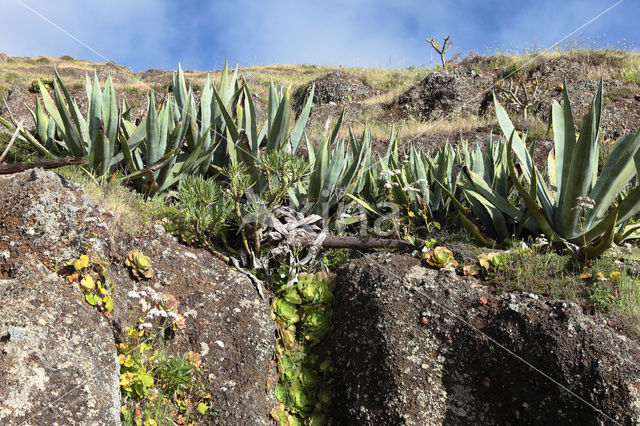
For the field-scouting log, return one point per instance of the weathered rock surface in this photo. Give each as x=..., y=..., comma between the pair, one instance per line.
x=336, y=87
x=412, y=346
x=46, y=221
x=440, y=95
x=58, y=363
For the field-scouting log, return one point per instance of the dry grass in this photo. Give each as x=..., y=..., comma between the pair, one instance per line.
x=130, y=211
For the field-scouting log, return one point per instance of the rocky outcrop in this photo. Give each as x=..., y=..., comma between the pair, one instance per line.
x=424, y=347
x=58, y=362
x=440, y=95
x=336, y=87
x=59, y=353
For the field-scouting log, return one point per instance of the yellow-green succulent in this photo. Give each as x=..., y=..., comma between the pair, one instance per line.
x=139, y=264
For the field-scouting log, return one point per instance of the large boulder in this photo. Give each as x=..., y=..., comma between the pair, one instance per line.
x=58, y=362
x=47, y=221
x=418, y=346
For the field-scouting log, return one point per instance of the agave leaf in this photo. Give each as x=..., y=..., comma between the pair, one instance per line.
x=468, y=221
x=153, y=131
x=230, y=124
x=252, y=124
x=102, y=153
x=532, y=206
x=363, y=203
x=617, y=172
x=497, y=219
x=180, y=88
x=485, y=190
x=593, y=251
x=94, y=111
x=277, y=133
x=77, y=122
x=298, y=129
x=273, y=103
x=110, y=112
x=30, y=138
x=581, y=169
x=321, y=165
x=60, y=111
x=564, y=138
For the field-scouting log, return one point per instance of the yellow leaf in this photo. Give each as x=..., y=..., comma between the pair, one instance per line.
x=108, y=303
x=600, y=275
x=614, y=275
x=87, y=282
x=81, y=263
x=128, y=362
x=585, y=275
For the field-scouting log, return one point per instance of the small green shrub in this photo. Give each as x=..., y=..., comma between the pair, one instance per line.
x=201, y=211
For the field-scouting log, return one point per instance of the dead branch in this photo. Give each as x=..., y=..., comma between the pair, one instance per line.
x=7, y=169
x=359, y=243
x=446, y=45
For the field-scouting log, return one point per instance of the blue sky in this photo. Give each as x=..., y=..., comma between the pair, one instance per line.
x=143, y=34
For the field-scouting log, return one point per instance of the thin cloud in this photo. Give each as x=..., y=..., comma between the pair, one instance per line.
x=202, y=35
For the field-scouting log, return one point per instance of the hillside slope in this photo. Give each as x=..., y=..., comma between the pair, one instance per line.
x=427, y=106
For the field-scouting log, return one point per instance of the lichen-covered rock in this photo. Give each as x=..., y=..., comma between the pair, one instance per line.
x=412, y=346
x=49, y=221
x=58, y=363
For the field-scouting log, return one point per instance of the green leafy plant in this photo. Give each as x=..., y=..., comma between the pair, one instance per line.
x=90, y=274
x=202, y=211
x=157, y=384
x=491, y=262
x=303, y=315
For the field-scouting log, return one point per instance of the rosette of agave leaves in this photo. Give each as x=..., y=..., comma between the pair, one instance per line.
x=577, y=205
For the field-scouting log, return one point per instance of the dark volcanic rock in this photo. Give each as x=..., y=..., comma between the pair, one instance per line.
x=410, y=348
x=336, y=87
x=53, y=342
x=440, y=95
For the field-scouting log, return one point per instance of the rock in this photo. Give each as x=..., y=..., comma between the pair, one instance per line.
x=51, y=221
x=334, y=88
x=58, y=362
x=411, y=346
x=440, y=95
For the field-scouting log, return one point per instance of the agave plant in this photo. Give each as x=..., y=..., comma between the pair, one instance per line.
x=154, y=152
x=239, y=127
x=336, y=169
x=94, y=137
x=207, y=123
x=559, y=209
x=492, y=218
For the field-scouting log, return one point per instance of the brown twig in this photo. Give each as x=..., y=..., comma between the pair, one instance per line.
x=7, y=169
x=361, y=243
